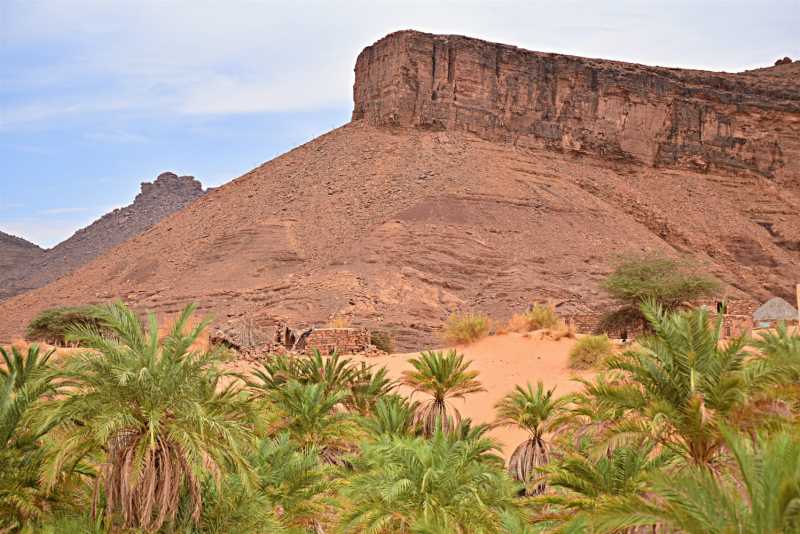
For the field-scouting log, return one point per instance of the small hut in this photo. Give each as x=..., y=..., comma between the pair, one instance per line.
x=775, y=310
x=242, y=334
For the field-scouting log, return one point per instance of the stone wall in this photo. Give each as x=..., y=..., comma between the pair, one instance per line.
x=737, y=319
x=732, y=307
x=586, y=323
x=774, y=323
x=345, y=340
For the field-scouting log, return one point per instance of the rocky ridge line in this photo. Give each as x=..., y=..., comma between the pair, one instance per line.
x=157, y=200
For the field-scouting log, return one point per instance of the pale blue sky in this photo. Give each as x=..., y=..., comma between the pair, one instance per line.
x=96, y=97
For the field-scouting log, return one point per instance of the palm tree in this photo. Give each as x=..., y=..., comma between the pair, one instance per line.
x=24, y=367
x=314, y=421
x=437, y=484
x=532, y=412
x=25, y=382
x=780, y=350
x=393, y=416
x=299, y=486
x=157, y=410
x=681, y=384
x=364, y=386
x=587, y=484
x=442, y=378
x=695, y=501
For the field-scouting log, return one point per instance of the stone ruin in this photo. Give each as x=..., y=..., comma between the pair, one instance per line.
x=737, y=318
x=249, y=339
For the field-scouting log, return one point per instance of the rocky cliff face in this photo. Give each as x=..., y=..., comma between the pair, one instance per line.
x=659, y=117
x=163, y=197
x=15, y=251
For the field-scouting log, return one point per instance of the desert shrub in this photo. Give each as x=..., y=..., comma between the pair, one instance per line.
x=590, y=351
x=518, y=323
x=50, y=325
x=539, y=317
x=561, y=331
x=383, y=340
x=463, y=328
x=340, y=321
x=655, y=276
x=652, y=276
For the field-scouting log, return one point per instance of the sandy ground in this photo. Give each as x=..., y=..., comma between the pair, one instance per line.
x=503, y=362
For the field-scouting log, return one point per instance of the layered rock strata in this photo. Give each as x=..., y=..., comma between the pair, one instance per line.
x=660, y=117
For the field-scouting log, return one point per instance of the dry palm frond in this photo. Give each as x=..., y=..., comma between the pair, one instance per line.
x=529, y=455
x=243, y=333
x=141, y=481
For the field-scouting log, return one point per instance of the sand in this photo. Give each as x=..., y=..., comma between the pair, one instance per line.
x=503, y=361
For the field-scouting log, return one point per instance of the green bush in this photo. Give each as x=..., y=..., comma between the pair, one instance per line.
x=383, y=340
x=463, y=328
x=50, y=325
x=540, y=317
x=590, y=351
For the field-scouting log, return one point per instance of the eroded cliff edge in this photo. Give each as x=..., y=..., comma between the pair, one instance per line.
x=660, y=117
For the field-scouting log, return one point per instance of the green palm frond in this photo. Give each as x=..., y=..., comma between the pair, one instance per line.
x=697, y=501
x=314, y=420
x=440, y=484
x=441, y=378
x=158, y=409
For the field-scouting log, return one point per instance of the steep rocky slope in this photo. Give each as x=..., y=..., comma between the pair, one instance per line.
x=396, y=222
x=15, y=251
x=166, y=195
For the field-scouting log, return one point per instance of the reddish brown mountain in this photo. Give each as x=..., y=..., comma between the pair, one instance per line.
x=479, y=176
x=166, y=195
x=15, y=251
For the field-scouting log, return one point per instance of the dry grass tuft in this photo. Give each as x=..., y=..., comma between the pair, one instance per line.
x=536, y=318
x=589, y=351
x=340, y=321
x=561, y=331
x=518, y=323
x=463, y=328
x=541, y=317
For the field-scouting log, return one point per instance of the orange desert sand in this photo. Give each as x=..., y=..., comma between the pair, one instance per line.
x=503, y=361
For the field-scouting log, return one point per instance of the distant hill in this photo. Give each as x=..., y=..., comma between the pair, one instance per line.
x=166, y=195
x=479, y=176
x=16, y=251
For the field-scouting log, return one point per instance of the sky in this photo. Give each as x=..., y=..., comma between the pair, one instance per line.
x=97, y=97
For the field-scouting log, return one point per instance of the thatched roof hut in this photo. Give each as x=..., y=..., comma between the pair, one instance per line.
x=243, y=333
x=775, y=310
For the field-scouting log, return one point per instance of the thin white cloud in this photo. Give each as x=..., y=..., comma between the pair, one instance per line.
x=211, y=58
